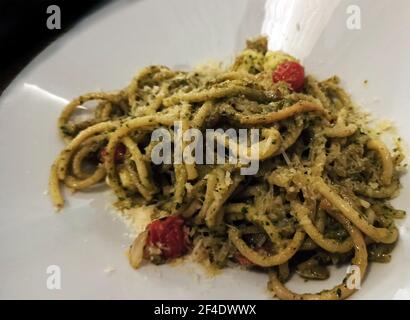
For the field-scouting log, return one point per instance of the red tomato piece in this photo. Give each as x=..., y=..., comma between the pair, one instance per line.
x=170, y=235
x=119, y=153
x=243, y=261
x=290, y=72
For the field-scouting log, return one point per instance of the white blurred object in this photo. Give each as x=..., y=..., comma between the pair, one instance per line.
x=295, y=26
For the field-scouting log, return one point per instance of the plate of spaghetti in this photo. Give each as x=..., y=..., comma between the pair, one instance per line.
x=253, y=168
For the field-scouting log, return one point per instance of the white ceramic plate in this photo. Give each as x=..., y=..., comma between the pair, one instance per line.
x=103, y=52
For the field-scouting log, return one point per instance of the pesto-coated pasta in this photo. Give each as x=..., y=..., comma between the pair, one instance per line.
x=320, y=194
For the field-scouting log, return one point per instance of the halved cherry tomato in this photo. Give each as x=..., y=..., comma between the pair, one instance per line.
x=119, y=153
x=290, y=72
x=169, y=235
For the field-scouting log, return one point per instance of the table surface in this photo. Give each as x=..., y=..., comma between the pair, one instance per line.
x=24, y=32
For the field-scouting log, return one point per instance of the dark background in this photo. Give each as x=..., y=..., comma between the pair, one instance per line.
x=24, y=32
